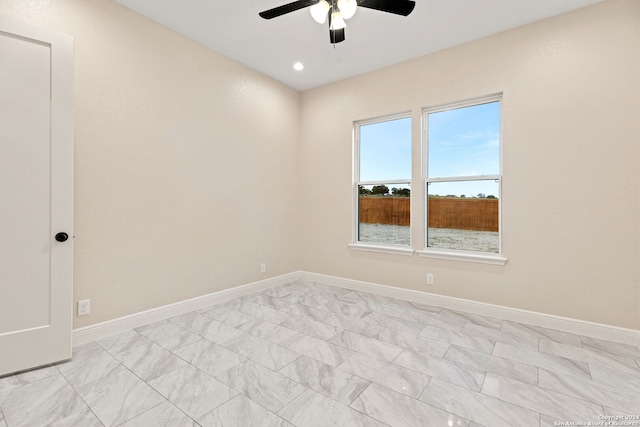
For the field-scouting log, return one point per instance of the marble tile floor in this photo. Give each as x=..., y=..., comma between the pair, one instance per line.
x=307, y=354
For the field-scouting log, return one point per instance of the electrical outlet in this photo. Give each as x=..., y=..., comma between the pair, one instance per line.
x=430, y=279
x=263, y=267
x=84, y=307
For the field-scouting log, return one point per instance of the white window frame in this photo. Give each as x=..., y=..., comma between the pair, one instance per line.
x=454, y=254
x=356, y=183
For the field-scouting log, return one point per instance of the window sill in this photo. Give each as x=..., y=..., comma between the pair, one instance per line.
x=394, y=250
x=463, y=256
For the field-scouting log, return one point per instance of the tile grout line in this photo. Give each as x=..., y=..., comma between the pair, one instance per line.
x=329, y=397
x=305, y=388
x=166, y=400
x=79, y=395
x=601, y=405
x=544, y=390
x=243, y=359
x=152, y=408
x=356, y=398
x=539, y=414
x=424, y=389
x=442, y=409
x=337, y=367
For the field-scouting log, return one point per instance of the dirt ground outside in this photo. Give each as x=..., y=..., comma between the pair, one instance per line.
x=444, y=238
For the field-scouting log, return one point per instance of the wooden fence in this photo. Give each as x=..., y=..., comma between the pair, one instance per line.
x=385, y=210
x=444, y=212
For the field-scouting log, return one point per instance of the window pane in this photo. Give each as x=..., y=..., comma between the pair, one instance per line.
x=464, y=141
x=385, y=150
x=384, y=214
x=464, y=215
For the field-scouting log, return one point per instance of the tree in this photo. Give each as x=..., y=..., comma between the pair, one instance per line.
x=363, y=191
x=401, y=192
x=380, y=190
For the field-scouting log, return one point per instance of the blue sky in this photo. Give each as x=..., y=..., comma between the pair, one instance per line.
x=379, y=162
x=462, y=142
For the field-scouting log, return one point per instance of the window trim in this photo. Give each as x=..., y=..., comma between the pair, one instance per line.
x=460, y=255
x=455, y=254
x=381, y=248
x=355, y=244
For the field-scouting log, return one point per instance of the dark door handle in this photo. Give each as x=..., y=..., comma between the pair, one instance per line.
x=62, y=237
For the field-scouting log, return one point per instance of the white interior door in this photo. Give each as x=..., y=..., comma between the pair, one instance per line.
x=36, y=196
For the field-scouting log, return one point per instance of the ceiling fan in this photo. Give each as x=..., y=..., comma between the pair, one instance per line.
x=336, y=11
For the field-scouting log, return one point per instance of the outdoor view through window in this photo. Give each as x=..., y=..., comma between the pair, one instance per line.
x=383, y=174
x=463, y=177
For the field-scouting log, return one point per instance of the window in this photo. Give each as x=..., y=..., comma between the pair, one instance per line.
x=463, y=177
x=382, y=182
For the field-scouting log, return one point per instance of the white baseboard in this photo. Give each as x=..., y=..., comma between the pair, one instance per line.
x=565, y=324
x=580, y=327
x=121, y=324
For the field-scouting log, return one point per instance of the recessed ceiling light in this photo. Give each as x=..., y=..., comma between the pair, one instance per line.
x=298, y=66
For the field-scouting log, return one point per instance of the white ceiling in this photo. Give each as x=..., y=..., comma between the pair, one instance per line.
x=373, y=39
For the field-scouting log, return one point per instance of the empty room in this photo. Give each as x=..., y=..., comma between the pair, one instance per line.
x=320, y=213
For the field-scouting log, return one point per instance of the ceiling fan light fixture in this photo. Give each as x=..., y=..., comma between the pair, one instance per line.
x=339, y=10
x=337, y=22
x=319, y=11
x=347, y=8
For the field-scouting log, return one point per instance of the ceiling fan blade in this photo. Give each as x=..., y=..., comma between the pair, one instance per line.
x=286, y=8
x=399, y=7
x=336, y=36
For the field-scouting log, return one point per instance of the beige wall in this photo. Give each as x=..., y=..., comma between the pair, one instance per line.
x=189, y=165
x=570, y=161
x=185, y=162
